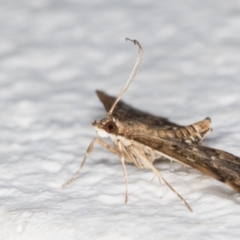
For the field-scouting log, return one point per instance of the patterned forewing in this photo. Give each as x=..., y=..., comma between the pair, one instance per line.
x=218, y=164
x=125, y=112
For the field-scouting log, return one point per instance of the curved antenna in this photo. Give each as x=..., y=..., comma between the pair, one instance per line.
x=132, y=75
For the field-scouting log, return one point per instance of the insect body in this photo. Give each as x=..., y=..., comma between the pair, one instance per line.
x=141, y=138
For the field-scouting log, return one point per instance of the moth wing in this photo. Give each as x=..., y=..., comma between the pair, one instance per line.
x=218, y=164
x=194, y=133
x=125, y=112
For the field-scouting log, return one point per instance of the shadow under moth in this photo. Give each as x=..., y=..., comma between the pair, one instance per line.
x=140, y=138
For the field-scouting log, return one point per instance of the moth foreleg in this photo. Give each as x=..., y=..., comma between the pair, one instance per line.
x=89, y=150
x=122, y=158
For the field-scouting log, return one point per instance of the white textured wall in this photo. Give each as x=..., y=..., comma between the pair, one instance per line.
x=53, y=56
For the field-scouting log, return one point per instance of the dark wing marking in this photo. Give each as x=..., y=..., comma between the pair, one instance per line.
x=193, y=133
x=218, y=164
x=125, y=112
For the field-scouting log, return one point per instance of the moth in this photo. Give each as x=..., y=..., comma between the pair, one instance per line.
x=141, y=138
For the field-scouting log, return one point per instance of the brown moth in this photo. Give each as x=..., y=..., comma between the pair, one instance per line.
x=141, y=138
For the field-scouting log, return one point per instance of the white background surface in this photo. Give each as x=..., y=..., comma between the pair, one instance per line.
x=53, y=56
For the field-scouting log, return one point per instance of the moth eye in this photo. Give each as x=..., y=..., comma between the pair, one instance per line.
x=110, y=127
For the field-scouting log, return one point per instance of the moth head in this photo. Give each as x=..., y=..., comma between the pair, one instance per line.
x=105, y=127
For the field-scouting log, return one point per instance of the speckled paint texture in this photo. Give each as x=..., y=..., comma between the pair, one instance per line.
x=53, y=56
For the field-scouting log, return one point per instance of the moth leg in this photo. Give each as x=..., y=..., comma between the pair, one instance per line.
x=159, y=179
x=160, y=176
x=89, y=150
x=168, y=184
x=153, y=178
x=121, y=155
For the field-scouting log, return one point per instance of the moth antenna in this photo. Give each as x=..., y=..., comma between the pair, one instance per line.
x=133, y=74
